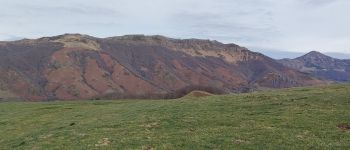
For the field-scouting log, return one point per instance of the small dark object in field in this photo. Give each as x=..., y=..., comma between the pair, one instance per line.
x=72, y=124
x=22, y=143
x=344, y=126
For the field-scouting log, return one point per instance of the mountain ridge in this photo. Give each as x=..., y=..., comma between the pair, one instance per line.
x=75, y=66
x=321, y=65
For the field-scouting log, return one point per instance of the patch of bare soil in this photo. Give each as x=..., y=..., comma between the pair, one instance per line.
x=103, y=142
x=147, y=147
x=344, y=126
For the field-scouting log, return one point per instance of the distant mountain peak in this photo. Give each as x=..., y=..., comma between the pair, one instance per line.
x=321, y=65
x=315, y=55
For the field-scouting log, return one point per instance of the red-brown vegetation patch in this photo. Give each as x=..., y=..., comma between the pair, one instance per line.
x=107, y=60
x=97, y=78
x=65, y=79
x=131, y=83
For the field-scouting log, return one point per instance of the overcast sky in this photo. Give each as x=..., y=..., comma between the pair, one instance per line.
x=296, y=26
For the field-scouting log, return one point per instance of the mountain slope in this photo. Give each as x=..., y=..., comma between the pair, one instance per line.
x=74, y=66
x=321, y=65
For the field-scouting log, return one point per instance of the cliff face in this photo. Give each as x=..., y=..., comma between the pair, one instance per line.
x=320, y=65
x=74, y=66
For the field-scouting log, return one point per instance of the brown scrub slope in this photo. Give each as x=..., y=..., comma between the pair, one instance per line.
x=74, y=67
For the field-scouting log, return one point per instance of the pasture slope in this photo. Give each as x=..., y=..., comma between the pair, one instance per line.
x=297, y=118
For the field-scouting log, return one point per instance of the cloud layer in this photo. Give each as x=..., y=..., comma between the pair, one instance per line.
x=288, y=25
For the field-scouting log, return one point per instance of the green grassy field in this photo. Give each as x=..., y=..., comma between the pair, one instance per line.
x=299, y=118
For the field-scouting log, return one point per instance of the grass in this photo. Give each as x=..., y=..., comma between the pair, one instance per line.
x=299, y=118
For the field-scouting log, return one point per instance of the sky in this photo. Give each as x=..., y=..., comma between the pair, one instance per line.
x=279, y=28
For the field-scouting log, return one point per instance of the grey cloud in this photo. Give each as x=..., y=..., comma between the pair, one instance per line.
x=285, y=25
x=227, y=25
x=68, y=10
x=319, y=2
x=86, y=10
